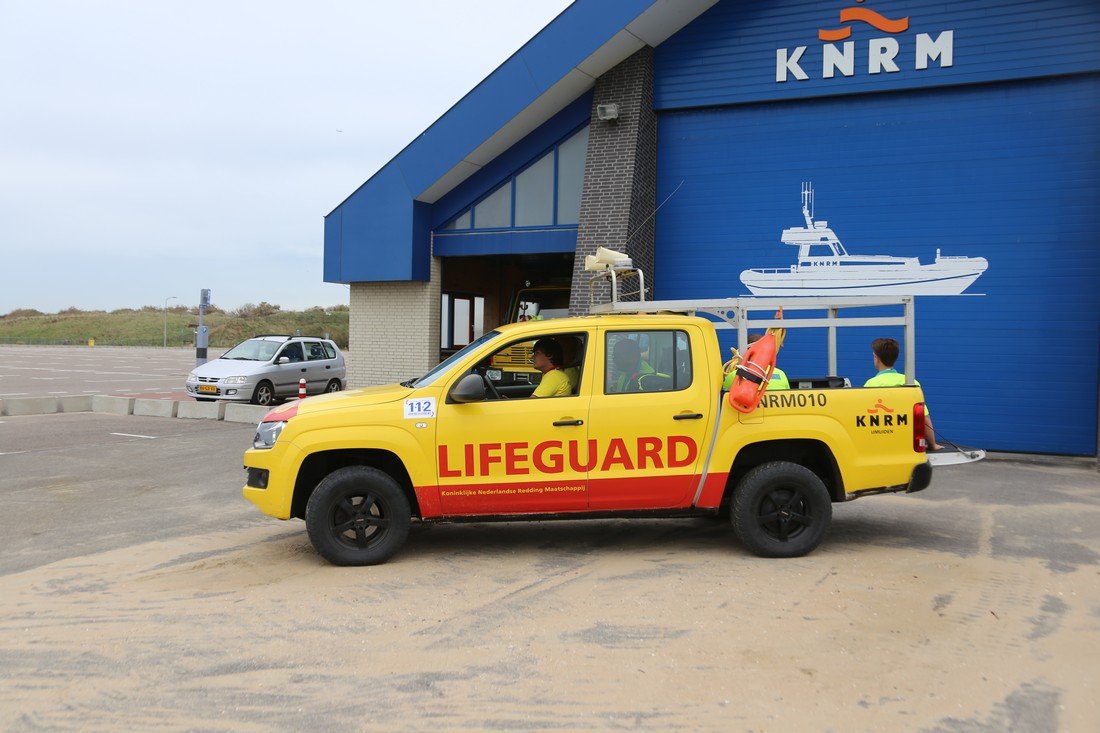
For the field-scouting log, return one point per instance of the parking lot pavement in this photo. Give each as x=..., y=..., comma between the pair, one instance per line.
x=138, y=590
x=121, y=371
x=80, y=483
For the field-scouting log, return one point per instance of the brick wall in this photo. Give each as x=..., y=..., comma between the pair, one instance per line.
x=620, y=175
x=393, y=330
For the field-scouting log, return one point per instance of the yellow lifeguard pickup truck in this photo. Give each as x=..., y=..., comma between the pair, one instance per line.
x=464, y=442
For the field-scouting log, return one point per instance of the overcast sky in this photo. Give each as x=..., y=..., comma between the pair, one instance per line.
x=150, y=149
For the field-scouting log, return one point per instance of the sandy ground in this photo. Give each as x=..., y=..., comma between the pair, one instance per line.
x=138, y=591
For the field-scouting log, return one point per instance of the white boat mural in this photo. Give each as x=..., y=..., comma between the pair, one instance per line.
x=824, y=267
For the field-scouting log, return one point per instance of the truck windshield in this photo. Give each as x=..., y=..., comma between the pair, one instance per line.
x=444, y=365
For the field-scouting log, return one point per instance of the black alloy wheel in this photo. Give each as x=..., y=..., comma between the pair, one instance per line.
x=781, y=509
x=358, y=515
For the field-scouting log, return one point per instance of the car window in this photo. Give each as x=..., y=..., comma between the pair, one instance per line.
x=252, y=350
x=315, y=352
x=293, y=352
x=647, y=361
x=329, y=349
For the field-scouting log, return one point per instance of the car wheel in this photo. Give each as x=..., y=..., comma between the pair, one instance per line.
x=264, y=394
x=357, y=516
x=333, y=385
x=781, y=509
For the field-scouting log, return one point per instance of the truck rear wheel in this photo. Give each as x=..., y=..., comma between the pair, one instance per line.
x=781, y=509
x=357, y=516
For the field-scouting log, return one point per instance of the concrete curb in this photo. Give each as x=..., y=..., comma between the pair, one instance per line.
x=140, y=406
x=155, y=408
x=235, y=412
x=75, y=403
x=201, y=410
x=30, y=406
x=113, y=405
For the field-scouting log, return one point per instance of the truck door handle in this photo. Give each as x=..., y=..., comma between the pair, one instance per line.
x=567, y=423
x=688, y=416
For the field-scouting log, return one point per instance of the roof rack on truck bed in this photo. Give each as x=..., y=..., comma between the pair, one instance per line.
x=737, y=313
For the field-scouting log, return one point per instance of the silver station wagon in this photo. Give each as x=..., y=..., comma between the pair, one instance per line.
x=266, y=369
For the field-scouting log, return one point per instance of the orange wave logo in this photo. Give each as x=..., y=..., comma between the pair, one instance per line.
x=879, y=406
x=865, y=15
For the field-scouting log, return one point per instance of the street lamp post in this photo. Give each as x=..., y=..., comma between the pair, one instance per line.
x=170, y=297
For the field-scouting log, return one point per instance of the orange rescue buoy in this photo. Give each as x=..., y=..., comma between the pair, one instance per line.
x=753, y=373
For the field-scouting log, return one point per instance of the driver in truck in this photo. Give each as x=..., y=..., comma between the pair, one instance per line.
x=546, y=356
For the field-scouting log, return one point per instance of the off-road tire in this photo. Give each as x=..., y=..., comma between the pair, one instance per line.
x=358, y=516
x=781, y=509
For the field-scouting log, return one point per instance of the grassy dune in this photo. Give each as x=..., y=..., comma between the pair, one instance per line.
x=145, y=326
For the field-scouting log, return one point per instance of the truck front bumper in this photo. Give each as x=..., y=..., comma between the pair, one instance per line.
x=271, y=473
x=921, y=478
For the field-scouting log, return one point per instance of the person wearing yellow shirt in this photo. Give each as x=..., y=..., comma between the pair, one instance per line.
x=779, y=378
x=546, y=356
x=885, y=354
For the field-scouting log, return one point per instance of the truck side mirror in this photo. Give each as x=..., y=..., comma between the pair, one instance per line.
x=470, y=388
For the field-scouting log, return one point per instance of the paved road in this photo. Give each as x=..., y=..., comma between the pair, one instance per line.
x=139, y=591
x=137, y=371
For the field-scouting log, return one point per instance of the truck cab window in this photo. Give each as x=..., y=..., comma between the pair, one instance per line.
x=647, y=361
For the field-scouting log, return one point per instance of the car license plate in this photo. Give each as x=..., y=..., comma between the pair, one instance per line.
x=208, y=389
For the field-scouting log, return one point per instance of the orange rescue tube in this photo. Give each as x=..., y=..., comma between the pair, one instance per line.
x=753, y=373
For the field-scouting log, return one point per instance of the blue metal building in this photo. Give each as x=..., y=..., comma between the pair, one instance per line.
x=942, y=132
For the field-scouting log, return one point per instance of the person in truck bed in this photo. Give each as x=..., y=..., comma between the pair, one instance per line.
x=779, y=377
x=885, y=352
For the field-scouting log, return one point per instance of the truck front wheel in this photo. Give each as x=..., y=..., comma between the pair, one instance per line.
x=781, y=509
x=357, y=516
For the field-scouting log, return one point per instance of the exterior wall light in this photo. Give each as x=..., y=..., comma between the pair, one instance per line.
x=607, y=112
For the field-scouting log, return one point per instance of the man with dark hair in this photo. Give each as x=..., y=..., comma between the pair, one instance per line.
x=885, y=352
x=546, y=356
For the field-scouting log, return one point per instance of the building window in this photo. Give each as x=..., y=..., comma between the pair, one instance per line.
x=535, y=194
x=545, y=193
x=460, y=222
x=495, y=211
x=462, y=320
x=571, y=177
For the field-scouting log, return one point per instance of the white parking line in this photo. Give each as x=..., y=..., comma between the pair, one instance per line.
x=131, y=435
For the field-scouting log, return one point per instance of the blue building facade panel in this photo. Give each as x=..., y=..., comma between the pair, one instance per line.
x=1008, y=172
x=505, y=243
x=737, y=52
x=383, y=232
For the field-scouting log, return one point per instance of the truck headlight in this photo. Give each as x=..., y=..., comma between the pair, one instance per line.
x=267, y=433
